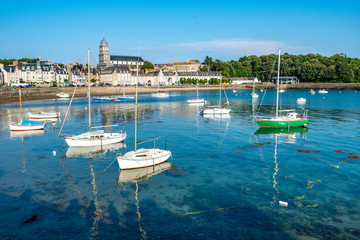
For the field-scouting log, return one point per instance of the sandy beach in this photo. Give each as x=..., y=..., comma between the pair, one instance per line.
x=9, y=96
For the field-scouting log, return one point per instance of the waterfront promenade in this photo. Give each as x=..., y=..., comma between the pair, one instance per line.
x=8, y=96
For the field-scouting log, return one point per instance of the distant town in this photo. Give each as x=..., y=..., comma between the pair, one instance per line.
x=112, y=70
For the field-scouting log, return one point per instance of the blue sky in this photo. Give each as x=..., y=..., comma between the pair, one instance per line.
x=167, y=31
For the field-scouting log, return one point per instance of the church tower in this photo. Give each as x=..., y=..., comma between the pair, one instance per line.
x=104, y=54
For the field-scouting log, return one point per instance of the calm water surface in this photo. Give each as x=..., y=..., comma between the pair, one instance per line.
x=225, y=180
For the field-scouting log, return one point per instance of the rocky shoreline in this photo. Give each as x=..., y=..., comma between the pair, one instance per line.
x=9, y=96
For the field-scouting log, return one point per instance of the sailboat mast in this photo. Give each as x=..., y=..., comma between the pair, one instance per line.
x=220, y=95
x=277, y=88
x=89, y=90
x=136, y=99
x=20, y=104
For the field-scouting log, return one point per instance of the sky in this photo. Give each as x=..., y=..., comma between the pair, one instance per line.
x=173, y=31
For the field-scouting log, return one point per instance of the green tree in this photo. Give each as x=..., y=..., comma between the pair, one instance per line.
x=147, y=65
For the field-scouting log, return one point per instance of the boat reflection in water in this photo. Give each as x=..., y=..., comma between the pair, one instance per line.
x=94, y=150
x=140, y=174
x=288, y=135
x=18, y=134
x=281, y=131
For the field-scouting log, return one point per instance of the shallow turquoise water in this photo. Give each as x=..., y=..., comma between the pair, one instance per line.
x=225, y=181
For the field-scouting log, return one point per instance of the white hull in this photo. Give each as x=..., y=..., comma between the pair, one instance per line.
x=143, y=158
x=97, y=138
x=160, y=94
x=20, y=127
x=216, y=111
x=301, y=100
x=254, y=95
x=63, y=95
x=43, y=115
x=193, y=101
x=323, y=91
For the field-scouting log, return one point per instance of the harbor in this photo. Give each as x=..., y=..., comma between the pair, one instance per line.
x=227, y=178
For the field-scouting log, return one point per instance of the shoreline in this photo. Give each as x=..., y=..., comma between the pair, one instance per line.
x=28, y=94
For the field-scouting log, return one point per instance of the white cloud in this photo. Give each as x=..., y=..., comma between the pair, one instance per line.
x=223, y=49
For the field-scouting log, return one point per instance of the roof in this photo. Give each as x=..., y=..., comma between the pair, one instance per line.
x=126, y=58
x=116, y=68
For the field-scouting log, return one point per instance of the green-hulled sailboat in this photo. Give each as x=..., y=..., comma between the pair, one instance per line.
x=290, y=120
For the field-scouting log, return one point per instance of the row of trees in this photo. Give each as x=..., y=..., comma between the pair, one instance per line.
x=308, y=68
x=10, y=61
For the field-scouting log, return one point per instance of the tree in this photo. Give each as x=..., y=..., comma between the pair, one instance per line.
x=147, y=65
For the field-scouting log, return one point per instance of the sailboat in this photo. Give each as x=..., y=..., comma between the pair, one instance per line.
x=217, y=109
x=159, y=93
x=26, y=125
x=140, y=158
x=94, y=138
x=254, y=95
x=290, y=120
x=196, y=100
x=125, y=97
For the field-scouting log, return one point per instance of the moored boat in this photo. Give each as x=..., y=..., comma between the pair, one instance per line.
x=27, y=125
x=43, y=115
x=63, y=95
x=323, y=91
x=292, y=119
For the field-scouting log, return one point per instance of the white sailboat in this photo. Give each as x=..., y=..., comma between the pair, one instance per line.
x=140, y=158
x=25, y=125
x=159, y=93
x=312, y=92
x=215, y=110
x=196, y=100
x=94, y=138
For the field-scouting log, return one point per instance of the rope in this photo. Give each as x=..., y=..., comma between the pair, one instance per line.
x=109, y=165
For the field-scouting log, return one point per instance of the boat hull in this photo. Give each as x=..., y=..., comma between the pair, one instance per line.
x=282, y=123
x=160, y=95
x=94, y=139
x=215, y=111
x=103, y=99
x=193, y=101
x=26, y=125
x=143, y=158
x=41, y=115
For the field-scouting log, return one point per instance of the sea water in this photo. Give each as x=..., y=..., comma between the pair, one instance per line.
x=224, y=180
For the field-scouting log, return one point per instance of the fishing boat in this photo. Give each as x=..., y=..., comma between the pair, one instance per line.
x=43, y=115
x=323, y=91
x=93, y=138
x=291, y=119
x=140, y=158
x=301, y=100
x=26, y=125
x=104, y=99
x=312, y=92
x=63, y=95
x=196, y=100
x=215, y=110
